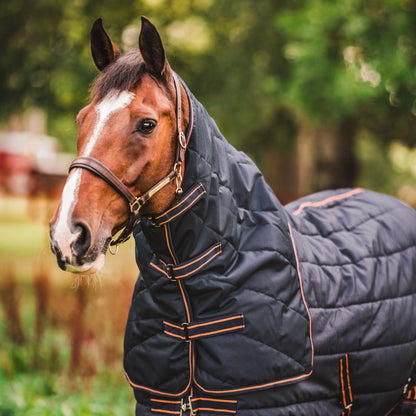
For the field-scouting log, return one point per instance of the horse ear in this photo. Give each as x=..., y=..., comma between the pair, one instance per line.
x=151, y=48
x=103, y=50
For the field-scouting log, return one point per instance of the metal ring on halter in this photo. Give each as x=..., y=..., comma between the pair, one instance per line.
x=182, y=139
x=113, y=251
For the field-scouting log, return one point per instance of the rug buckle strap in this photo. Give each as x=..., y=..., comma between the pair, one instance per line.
x=185, y=326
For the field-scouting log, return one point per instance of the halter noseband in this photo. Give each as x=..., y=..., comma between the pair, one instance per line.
x=136, y=203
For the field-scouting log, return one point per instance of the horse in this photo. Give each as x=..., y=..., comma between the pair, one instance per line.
x=242, y=306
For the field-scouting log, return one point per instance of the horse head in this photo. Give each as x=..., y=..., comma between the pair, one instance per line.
x=130, y=131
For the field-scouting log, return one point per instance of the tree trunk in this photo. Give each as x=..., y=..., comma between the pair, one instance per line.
x=326, y=157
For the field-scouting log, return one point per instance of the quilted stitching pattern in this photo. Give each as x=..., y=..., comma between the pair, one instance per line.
x=255, y=274
x=358, y=263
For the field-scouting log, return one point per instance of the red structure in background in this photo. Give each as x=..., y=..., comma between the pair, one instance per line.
x=31, y=165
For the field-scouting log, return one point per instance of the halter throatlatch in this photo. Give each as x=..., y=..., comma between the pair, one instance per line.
x=136, y=202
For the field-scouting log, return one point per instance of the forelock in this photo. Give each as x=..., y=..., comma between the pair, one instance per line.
x=124, y=74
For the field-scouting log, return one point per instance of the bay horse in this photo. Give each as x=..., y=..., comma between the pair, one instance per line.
x=242, y=306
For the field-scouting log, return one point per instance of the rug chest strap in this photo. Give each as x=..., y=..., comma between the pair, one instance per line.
x=196, y=330
x=193, y=405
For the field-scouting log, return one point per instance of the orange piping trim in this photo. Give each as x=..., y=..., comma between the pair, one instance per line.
x=180, y=212
x=204, y=323
x=348, y=377
x=179, y=204
x=213, y=400
x=387, y=414
x=214, y=410
x=157, y=391
x=174, y=335
x=202, y=265
x=261, y=386
x=344, y=400
x=170, y=412
x=186, y=265
x=184, y=301
x=173, y=326
x=191, y=371
x=216, y=332
x=158, y=268
x=166, y=401
x=168, y=243
x=217, y=321
x=199, y=258
x=327, y=200
x=303, y=294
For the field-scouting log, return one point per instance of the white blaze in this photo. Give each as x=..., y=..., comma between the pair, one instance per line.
x=115, y=101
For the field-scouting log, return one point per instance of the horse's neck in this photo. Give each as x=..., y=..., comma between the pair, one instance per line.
x=232, y=187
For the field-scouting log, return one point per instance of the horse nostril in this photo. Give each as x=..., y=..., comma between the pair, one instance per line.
x=83, y=240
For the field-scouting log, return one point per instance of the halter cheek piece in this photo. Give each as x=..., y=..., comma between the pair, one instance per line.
x=135, y=203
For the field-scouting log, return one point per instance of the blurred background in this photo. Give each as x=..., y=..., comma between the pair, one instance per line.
x=321, y=94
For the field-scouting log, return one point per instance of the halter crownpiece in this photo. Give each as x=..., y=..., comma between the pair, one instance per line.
x=136, y=202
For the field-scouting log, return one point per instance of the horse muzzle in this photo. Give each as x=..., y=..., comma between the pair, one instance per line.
x=74, y=250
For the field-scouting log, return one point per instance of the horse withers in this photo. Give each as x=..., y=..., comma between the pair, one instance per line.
x=242, y=306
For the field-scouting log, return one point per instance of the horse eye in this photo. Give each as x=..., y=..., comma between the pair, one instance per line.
x=145, y=126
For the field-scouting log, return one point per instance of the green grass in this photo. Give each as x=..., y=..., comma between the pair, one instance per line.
x=42, y=395
x=21, y=239
x=43, y=386
x=35, y=374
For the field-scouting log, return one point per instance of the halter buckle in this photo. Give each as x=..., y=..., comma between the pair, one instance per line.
x=135, y=206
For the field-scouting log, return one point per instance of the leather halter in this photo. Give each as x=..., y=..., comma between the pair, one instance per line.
x=136, y=203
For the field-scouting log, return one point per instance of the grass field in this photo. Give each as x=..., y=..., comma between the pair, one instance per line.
x=60, y=338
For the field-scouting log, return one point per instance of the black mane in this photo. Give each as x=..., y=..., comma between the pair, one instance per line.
x=123, y=74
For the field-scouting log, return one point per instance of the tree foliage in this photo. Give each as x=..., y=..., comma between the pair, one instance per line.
x=261, y=67
x=355, y=60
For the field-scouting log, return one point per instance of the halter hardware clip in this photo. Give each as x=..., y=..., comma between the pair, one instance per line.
x=133, y=206
x=178, y=178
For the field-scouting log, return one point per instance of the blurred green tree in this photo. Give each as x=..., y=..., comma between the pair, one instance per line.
x=351, y=67
x=46, y=60
x=311, y=73
x=273, y=74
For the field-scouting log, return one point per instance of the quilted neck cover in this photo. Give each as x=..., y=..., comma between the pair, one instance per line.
x=218, y=306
